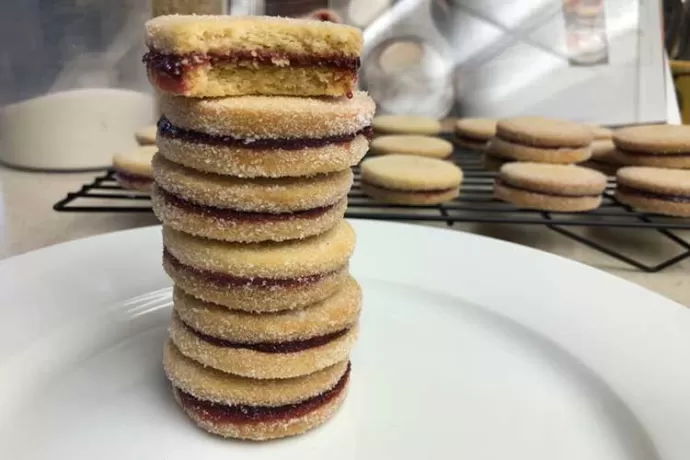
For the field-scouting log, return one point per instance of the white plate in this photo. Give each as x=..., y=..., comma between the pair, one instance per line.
x=471, y=348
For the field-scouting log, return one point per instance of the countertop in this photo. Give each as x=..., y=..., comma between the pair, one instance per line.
x=27, y=222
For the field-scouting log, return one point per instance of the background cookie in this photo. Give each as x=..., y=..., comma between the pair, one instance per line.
x=405, y=179
x=410, y=144
x=133, y=168
x=406, y=124
x=550, y=187
x=656, y=190
x=663, y=146
x=474, y=133
x=146, y=135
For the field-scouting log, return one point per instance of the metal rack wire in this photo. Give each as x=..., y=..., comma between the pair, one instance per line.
x=474, y=205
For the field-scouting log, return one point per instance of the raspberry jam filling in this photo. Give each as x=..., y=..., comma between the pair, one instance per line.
x=167, y=129
x=503, y=183
x=293, y=346
x=241, y=414
x=234, y=215
x=169, y=70
x=227, y=280
x=675, y=198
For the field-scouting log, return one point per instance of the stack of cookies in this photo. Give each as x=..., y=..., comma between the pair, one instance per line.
x=261, y=125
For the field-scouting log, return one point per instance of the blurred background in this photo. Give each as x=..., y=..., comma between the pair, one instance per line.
x=605, y=62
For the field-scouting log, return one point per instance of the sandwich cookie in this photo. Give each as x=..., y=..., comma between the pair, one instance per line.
x=549, y=187
x=656, y=190
x=411, y=180
x=601, y=133
x=146, y=135
x=212, y=56
x=662, y=146
x=259, y=136
x=541, y=140
x=133, y=168
x=259, y=277
x=406, y=124
x=410, y=144
x=247, y=210
x=474, y=133
x=272, y=345
x=604, y=157
x=237, y=407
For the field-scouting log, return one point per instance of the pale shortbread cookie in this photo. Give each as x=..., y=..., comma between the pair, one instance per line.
x=146, y=135
x=262, y=117
x=413, y=180
x=133, y=168
x=656, y=190
x=550, y=187
x=208, y=384
x=558, y=155
x=662, y=146
x=251, y=195
x=535, y=131
x=335, y=313
x=273, y=428
x=601, y=133
x=474, y=133
x=254, y=364
x=406, y=124
x=240, y=226
x=210, y=56
x=410, y=144
x=604, y=157
x=260, y=276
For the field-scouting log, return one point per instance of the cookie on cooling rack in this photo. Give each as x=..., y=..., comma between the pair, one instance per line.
x=550, y=187
x=474, y=133
x=146, y=135
x=411, y=144
x=656, y=190
x=133, y=168
x=541, y=140
x=661, y=146
x=410, y=180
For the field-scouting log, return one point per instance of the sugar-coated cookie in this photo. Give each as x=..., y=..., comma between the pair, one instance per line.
x=259, y=136
x=411, y=144
x=406, y=124
x=212, y=56
x=146, y=135
x=237, y=407
x=549, y=187
x=259, y=277
x=133, y=168
x=475, y=133
x=541, y=140
x=655, y=190
x=247, y=210
x=662, y=146
x=412, y=180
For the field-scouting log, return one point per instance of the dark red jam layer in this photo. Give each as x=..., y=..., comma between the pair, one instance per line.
x=471, y=140
x=560, y=195
x=656, y=155
x=167, y=129
x=227, y=280
x=245, y=216
x=654, y=195
x=413, y=192
x=169, y=69
x=241, y=414
x=272, y=347
x=536, y=145
x=132, y=177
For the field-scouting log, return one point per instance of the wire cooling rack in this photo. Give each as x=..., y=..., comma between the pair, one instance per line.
x=474, y=205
